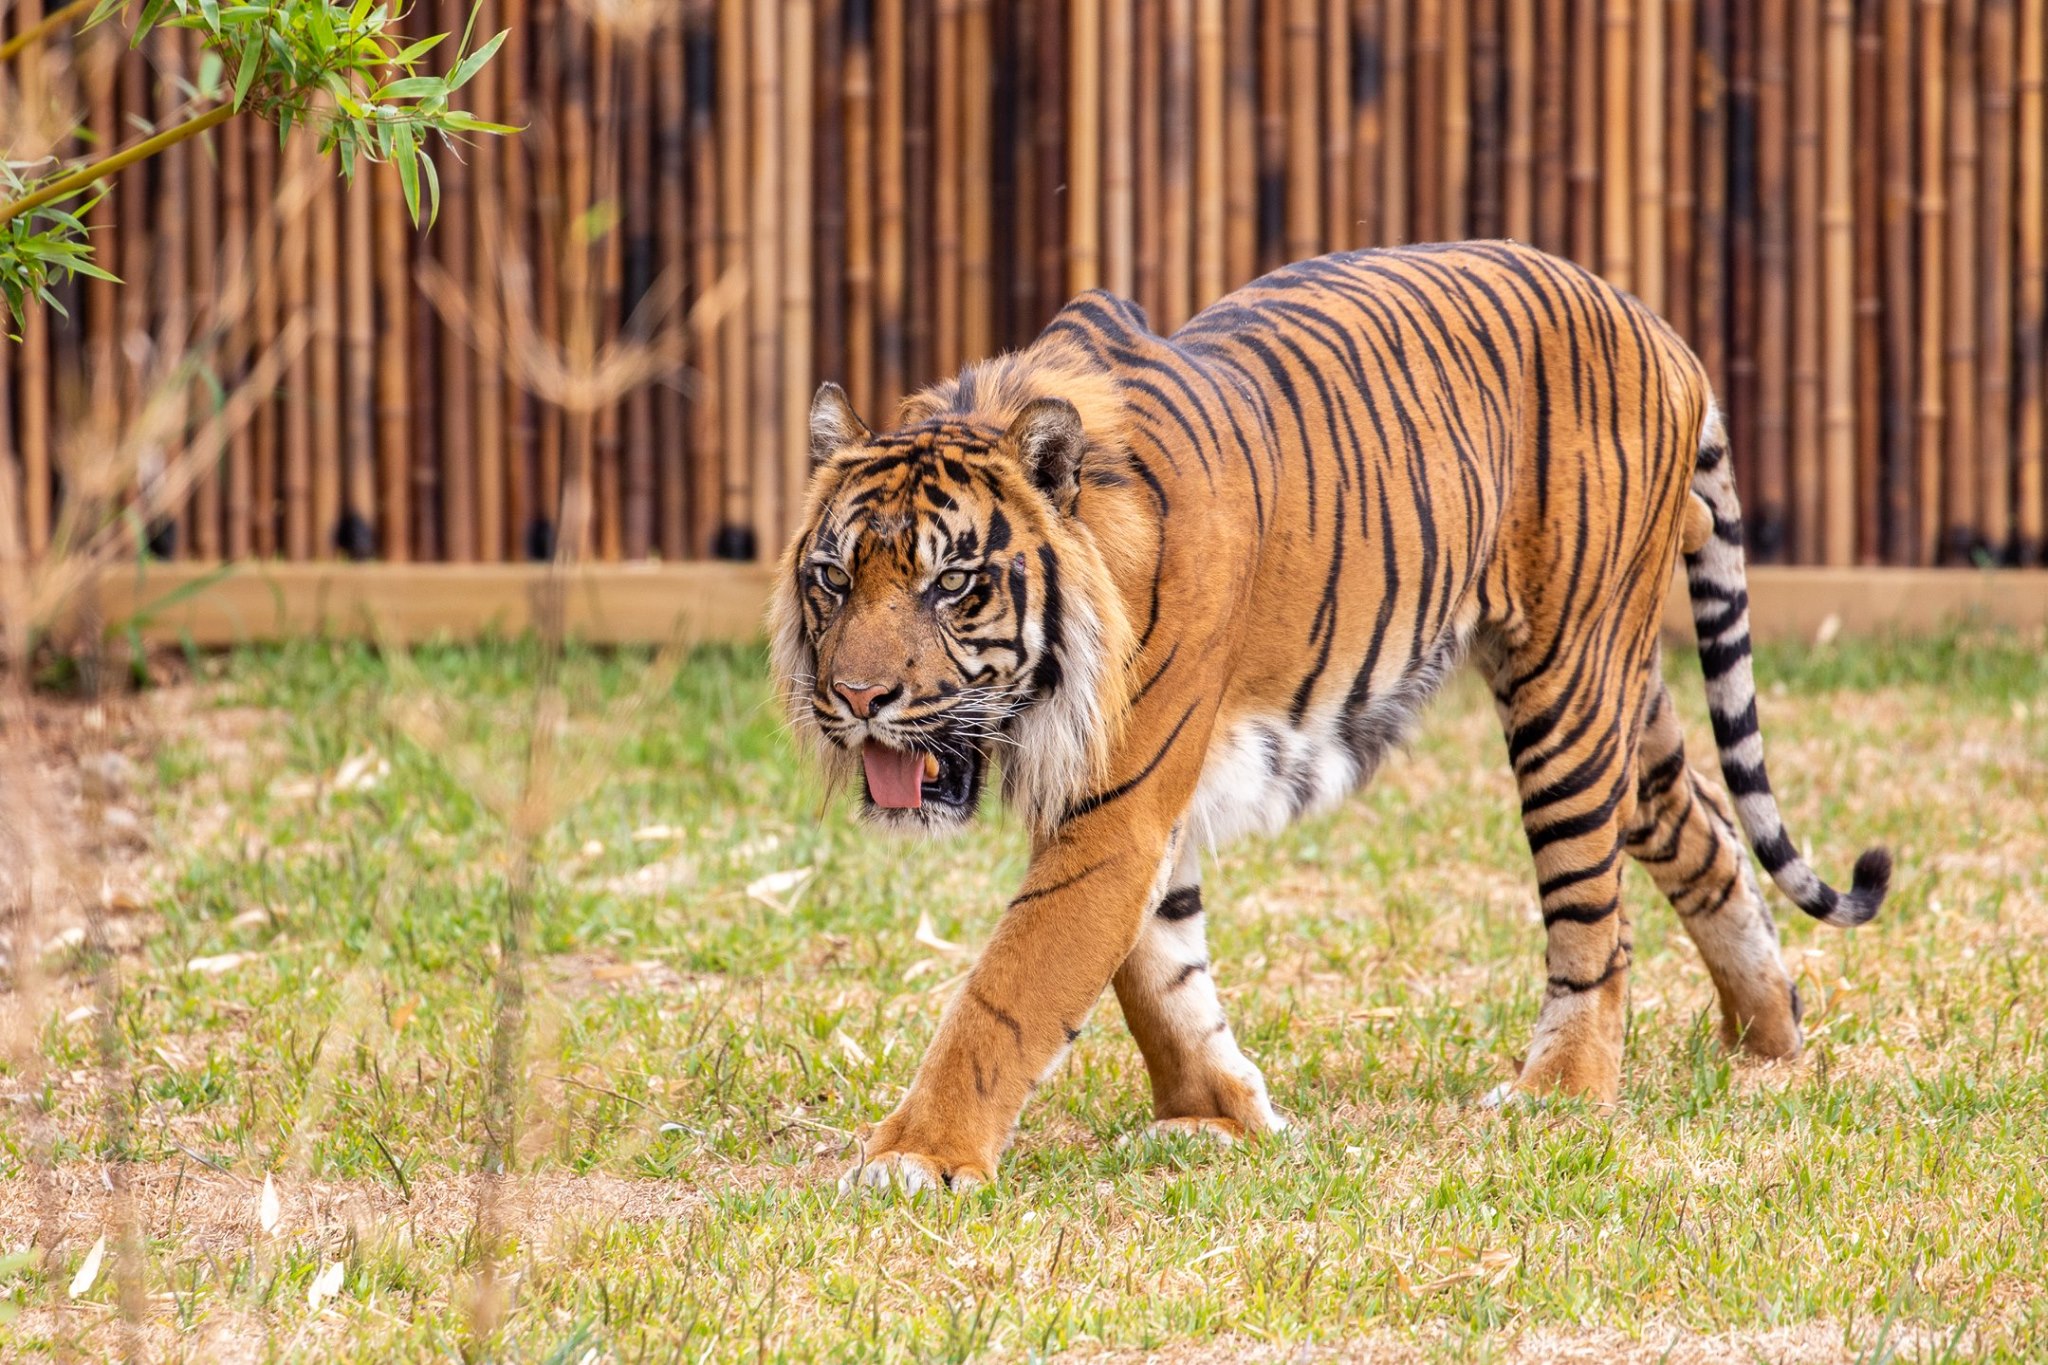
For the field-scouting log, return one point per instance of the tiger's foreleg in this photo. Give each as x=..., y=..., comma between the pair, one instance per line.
x=1200, y=1081
x=1055, y=950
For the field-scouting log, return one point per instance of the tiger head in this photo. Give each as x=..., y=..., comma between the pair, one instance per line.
x=943, y=605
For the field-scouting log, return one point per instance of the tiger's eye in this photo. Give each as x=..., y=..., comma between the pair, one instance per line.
x=836, y=577
x=953, y=580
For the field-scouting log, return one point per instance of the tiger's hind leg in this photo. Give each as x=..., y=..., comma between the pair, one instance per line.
x=1570, y=730
x=1200, y=1081
x=1684, y=837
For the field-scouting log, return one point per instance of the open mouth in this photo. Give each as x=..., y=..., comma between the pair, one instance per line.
x=915, y=779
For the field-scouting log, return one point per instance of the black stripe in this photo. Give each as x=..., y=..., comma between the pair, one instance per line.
x=1183, y=902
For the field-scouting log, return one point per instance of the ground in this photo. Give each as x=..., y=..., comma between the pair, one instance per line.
x=730, y=975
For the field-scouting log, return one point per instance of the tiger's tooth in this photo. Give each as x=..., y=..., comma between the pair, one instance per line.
x=931, y=768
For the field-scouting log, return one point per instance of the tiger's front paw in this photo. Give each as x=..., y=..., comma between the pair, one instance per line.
x=892, y=1154
x=913, y=1174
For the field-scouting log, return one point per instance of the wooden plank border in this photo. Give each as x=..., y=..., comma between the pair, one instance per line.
x=699, y=601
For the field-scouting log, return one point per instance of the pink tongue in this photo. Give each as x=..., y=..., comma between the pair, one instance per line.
x=895, y=778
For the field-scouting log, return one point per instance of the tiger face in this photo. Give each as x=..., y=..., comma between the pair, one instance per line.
x=924, y=616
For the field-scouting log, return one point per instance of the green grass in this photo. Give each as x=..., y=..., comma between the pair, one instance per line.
x=699, y=1053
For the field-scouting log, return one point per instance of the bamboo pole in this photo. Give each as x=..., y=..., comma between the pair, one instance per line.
x=1774, y=293
x=1518, y=154
x=1809, y=306
x=1997, y=38
x=796, y=213
x=1681, y=196
x=891, y=238
x=2031, y=339
x=1835, y=519
x=1273, y=92
x=1454, y=210
x=1119, y=132
x=1554, y=137
x=553, y=246
x=1240, y=143
x=1487, y=118
x=947, y=191
x=1427, y=128
x=708, y=263
x=236, y=229
x=1867, y=180
x=829, y=200
x=739, y=535
x=1617, y=168
x=977, y=230
x=1652, y=154
x=1050, y=163
x=676, y=452
x=1396, y=212
x=394, y=401
x=357, y=538
x=597, y=183
x=484, y=179
x=1148, y=181
x=1368, y=122
x=301, y=393
x=1210, y=210
x=1899, y=295
x=1339, y=227
x=265, y=244
x=458, y=367
x=512, y=247
x=920, y=219
x=1084, y=149
x=1583, y=82
x=640, y=515
x=206, y=241
x=1177, y=167
x=1932, y=409
x=1304, y=129
x=765, y=389
x=859, y=111
x=1961, y=438
x=171, y=279
x=1708, y=226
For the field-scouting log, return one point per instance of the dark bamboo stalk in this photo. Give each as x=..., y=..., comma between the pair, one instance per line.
x=1240, y=143
x=236, y=229
x=1835, y=517
x=394, y=400
x=1583, y=83
x=1930, y=446
x=1652, y=154
x=2030, y=451
x=1900, y=301
x=1148, y=242
x=1211, y=227
x=947, y=191
x=798, y=165
x=1681, y=192
x=357, y=530
x=1427, y=127
x=891, y=233
x=1552, y=193
x=739, y=535
x=1710, y=273
x=1454, y=211
x=1304, y=225
x=639, y=516
x=1962, y=451
x=1119, y=132
x=1868, y=184
x=859, y=136
x=1177, y=167
x=1339, y=227
x=676, y=453
x=1617, y=165
x=1368, y=122
x=1810, y=303
x=765, y=393
x=1997, y=40
x=1768, y=530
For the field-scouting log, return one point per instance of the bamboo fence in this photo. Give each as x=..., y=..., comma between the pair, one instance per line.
x=1842, y=205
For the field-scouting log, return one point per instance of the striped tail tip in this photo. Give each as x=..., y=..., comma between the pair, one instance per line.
x=1872, y=878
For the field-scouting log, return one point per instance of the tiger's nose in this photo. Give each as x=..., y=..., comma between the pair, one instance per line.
x=860, y=696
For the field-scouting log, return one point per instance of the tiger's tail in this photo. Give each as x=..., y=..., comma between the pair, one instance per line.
x=1720, y=613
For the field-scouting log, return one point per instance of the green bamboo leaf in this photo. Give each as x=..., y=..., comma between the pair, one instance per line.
x=463, y=122
x=433, y=190
x=245, y=72
x=406, y=154
x=474, y=62
x=409, y=55
x=408, y=88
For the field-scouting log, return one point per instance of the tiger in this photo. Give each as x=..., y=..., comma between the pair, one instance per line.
x=1183, y=589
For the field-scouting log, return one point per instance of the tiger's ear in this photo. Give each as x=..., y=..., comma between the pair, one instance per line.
x=1049, y=441
x=834, y=425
